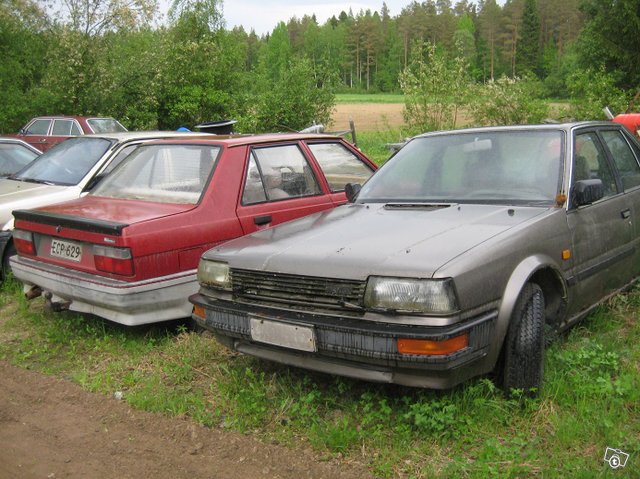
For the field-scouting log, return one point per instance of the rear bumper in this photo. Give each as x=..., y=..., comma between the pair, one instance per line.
x=355, y=348
x=128, y=303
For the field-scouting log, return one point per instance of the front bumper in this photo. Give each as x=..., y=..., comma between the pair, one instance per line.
x=128, y=303
x=353, y=347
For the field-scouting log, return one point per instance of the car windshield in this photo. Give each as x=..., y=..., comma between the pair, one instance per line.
x=105, y=125
x=14, y=157
x=67, y=163
x=167, y=173
x=506, y=167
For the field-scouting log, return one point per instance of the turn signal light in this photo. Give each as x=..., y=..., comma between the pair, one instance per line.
x=430, y=347
x=199, y=312
x=23, y=241
x=113, y=260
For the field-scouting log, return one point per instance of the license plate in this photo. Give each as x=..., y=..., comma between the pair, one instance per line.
x=66, y=250
x=287, y=335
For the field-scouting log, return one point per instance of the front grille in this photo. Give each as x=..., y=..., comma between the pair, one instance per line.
x=297, y=289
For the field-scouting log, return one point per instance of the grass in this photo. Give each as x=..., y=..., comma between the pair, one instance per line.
x=590, y=401
x=369, y=98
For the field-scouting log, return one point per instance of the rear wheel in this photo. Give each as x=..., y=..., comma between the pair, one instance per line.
x=9, y=251
x=524, y=345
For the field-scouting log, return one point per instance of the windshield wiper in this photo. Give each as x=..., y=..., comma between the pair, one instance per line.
x=33, y=180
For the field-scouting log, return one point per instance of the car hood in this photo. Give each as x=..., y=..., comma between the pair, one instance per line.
x=356, y=241
x=116, y=210
x=15, y=195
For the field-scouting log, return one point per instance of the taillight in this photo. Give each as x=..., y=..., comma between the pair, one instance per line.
x=23, y=240
x=113, y=260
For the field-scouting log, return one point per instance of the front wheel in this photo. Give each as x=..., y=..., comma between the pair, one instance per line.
x=524, y=345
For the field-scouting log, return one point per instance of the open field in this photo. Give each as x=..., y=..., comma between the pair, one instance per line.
x=368, y=116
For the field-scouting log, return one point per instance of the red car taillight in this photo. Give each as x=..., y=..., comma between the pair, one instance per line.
x=113, y=260
x=23, y=240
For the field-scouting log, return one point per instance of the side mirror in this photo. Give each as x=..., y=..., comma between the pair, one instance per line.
x=586, y=192
x=352, y=190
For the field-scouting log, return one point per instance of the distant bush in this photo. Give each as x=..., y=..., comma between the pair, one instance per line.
x=508, y=101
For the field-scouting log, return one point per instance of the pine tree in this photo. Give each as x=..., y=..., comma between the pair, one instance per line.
x=528, y=51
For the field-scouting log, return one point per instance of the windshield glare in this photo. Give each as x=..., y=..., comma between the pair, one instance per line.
x=67, y=163
x=161, y=173
x=508, y=167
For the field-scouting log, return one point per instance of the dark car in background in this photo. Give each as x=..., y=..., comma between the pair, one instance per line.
x=43, y=132
x=128, y=251
x=457, y=258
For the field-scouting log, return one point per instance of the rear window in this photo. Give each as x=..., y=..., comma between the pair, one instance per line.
x=162, y=174
x=105, y=125
x=67, y=163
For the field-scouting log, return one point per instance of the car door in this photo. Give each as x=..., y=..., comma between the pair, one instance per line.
x=339, y=166
x=602, y=232
x=625, y=154
x=279, y=185
x=36, y=133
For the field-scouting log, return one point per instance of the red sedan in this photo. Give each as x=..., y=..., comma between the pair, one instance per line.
x=44, y=132
x=129, y=250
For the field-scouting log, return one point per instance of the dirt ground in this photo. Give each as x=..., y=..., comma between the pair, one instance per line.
x=367, y=116
x=51, y=429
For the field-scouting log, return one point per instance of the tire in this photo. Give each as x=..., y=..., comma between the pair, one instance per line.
x=524, y=345
x=9, y=251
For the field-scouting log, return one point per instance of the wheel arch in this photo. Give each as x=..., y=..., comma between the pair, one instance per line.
x=543, y=271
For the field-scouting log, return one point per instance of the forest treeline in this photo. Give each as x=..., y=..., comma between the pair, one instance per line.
x=117, y=58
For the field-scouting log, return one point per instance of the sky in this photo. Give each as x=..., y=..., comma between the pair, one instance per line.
x=263, y=15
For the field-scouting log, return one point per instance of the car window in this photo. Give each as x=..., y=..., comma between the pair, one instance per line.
x=162, y=174
x=62, y=127
x=279, y=172
x=38, y=127
x=67, y=163
x=510, y=166
x=105, y=125
x=14, y=157
x=624, y=158
x=339, y=165
x=590, y=163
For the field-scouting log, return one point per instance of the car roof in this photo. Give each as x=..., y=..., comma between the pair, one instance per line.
x=122, y=136
x=8, y=139
x=69, y=117
x=567, y=126
x=242, y=140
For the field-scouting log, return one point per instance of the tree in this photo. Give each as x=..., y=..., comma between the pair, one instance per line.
x=489, y=27
x=528, y=51
x=611, y=38
x=299, y=98
x=23, y=48
x=94, y=17
x=434, y=87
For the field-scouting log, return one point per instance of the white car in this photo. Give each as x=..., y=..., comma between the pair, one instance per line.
x=66, y=172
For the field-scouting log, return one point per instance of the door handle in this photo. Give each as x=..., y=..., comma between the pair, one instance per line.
x=626, y=214
x=262, y=220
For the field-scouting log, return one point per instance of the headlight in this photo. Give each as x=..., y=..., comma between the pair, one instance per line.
x=214, y=273
x=433, y=296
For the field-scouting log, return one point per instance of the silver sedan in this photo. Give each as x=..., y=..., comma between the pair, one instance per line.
x=456, y=259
